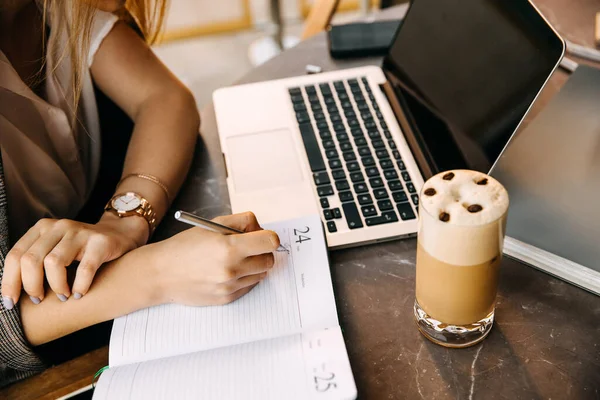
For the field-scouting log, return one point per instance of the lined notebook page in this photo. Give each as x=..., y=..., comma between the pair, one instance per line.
x=301, y=366
x=297, y=295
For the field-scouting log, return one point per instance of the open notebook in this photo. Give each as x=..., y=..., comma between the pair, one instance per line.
x=280, y=341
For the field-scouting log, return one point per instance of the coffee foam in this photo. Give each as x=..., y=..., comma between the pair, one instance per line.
x=467, y=238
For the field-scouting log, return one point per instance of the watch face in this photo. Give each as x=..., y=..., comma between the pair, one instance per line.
x=126, y=202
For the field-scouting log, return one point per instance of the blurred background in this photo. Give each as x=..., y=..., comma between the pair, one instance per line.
x=209, y=44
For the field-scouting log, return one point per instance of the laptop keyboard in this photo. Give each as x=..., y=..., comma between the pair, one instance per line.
x=358, y=172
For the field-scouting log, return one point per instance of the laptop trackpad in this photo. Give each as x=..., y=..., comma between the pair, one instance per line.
x=264, y=160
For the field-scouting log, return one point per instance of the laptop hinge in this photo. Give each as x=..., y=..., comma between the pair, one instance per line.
x=408, y=131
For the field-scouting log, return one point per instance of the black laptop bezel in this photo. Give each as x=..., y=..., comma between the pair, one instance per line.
x=410, y=128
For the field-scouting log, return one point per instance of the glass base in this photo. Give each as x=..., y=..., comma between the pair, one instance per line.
x=454, y=336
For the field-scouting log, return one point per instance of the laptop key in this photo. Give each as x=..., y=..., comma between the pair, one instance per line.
x=374, y=134
x=355, y=89
x=313, y=98
x=338, y=174
x=392, y=144
x=352, y=215
x=349, y=156
x=368, y=161
x=335, y=117
x=299, y=107
x=324, y=202
x=361, y=188
x=346, y=196
x=325, y=135
x=368, y=211
x=385, y=205
x=316, y=106
x=331, y=226
x=337, y=214
x=366, y=116
x=396, y=154
x=321, y=178
x=415, y=199
x=405, y=176
x=329, y=144
x=411, y=187
x=328, y=214
x=353, y=166
x=332, y=154
x=357, y=177
x=346, y=146
x=385, y=218
x=382, y=153
x=302, y=117
x=378, y=144
x=386, y=164
x=339, y=127
x=346, y=104
x=343, y=96
x=329, y=100
x=376, y=183
x=387, y=135
x=310, y=89
x=322, y=125
x=325, y=88
x=313, y=152
x=378, y=113
x=405, y=211
x=342, y=185
x=401, y=165
x=319, y=116
x=361, y=142
x=372, y=172
x=384, y=125
x=380, y=194
x=294, y=91
x=395, y=186
x=399, y=197
x=364, y=151
x=323, y=191
x=352, y=123
x=297, y=98
x=356, y=132
x=362, y=106
x=390, y=174
x=364, y=199
x=342, y=137
x=335, y=163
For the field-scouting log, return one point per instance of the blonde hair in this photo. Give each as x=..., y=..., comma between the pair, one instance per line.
x=76, y=17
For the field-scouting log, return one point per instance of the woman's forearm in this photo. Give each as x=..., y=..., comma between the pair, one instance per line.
x=162, y=145
x=120, y=287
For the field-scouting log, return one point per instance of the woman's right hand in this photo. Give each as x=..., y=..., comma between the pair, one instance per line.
x=198, y=267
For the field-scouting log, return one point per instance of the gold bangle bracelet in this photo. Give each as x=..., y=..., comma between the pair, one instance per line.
x=150, y=178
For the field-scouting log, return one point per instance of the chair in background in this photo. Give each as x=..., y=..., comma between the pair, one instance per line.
x=319, y=17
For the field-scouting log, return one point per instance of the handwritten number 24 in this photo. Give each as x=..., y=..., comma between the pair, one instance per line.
x=323, y=384
x=301, y=238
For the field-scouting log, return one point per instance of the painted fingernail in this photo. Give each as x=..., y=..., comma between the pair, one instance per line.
x=77, y=296
x=35, y=300
x=62, y=297
x=8, y=302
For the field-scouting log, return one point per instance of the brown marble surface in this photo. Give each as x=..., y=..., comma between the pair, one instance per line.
x=546, y=340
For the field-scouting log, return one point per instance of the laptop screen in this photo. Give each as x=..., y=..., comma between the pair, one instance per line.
x=466, y=72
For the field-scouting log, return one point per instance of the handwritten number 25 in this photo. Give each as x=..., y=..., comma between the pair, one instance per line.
x=301, y=238
x=323, y=384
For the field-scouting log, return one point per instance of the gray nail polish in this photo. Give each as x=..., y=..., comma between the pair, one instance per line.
x=62, y=297
x=77, y=295
x=35, y=300
x=8, y=302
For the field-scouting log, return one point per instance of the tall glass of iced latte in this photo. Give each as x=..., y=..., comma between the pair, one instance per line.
x=462, y=219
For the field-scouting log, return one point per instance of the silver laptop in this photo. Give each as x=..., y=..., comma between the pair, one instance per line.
x=356, y=145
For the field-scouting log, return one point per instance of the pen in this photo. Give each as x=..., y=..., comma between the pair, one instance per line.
x=209, y=225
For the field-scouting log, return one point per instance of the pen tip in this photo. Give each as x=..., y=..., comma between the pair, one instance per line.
x=177, y=214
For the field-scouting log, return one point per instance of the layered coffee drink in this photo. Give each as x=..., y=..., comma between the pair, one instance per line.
x=462, y=220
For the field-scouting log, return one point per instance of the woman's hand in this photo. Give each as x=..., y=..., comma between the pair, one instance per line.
x=52, y=245
x=198, y=267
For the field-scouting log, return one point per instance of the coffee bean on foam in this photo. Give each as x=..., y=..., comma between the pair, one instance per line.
x=463, y=216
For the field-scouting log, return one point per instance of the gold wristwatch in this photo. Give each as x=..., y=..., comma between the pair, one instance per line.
x=129, y=204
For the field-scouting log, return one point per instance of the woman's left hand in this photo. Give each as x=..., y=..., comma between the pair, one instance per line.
x=51, y=245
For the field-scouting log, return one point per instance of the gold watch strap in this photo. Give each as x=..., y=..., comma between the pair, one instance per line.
x=148, y=213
